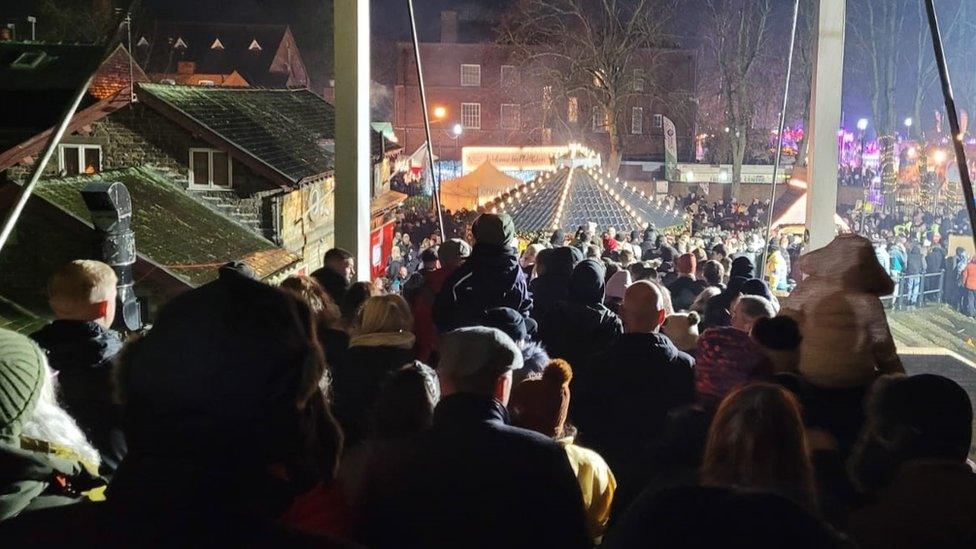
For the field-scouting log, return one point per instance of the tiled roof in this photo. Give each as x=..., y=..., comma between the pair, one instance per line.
x=236, y=53
x=171, y=228
x=290, y=131
x=17, y=319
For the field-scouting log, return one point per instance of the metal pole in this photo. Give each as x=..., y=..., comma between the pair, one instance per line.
x=779, y=136
x=950, y=104
x=436, y=190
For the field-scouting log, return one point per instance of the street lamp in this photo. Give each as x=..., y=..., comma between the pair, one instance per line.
x=908, y=122
x=862, y=125
x=439, y=112
x=939, y=156
x=33, y=22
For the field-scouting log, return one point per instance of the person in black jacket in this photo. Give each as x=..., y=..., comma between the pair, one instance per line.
x=80, y=346
x=473, y=480
x=623, y=396
x=935, y=262
x=718, y=312
x=685, y=288
x=337, y=273
x=554, y=266
x=914, y=267
x=491, y=277
x=581, y=325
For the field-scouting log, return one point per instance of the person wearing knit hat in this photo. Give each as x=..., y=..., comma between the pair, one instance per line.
x=45, y=459
x=727, y=359
x=491, y=277
x=685, y=288
x=580, y=325
x=616, y=286
x=542, y=405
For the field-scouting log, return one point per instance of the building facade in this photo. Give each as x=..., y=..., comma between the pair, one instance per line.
x=494, y=100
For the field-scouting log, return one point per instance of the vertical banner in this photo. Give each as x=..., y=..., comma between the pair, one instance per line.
x=380, y=249
x=670, y=150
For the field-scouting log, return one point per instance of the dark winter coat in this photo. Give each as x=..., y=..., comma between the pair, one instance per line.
x=82, y=354
x=578, y=327
x=38, y=478
x=491, y=277
x=622, y=398
x=475, y=481
x=684, y=290
x=718, y=310
x=553, y=286
x=915, y=264
x=334, y=283
x=357, y=382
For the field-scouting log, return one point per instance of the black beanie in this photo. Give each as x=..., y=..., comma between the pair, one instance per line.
x=586, y=284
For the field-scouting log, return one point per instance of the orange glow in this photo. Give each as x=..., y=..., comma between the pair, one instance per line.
x=440, y=112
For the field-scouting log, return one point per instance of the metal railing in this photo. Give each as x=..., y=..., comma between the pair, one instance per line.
x=916, y=291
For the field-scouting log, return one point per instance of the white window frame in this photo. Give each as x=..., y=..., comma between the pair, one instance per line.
x=518, y=116
x=210, y=186
x=466, y=119
x=600, y=119
x=475, y=81
x=637, y=120
x=513, y=80
x=572, y=110
x=81, y=148
x=639, y=83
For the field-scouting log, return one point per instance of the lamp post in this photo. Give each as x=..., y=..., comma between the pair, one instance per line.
x=457, y=130
x=862, y=125
x=33, y=21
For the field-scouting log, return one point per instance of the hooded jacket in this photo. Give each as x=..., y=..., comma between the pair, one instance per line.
x=580, y=325
x=491, y=277
x=40, y=478
x=553, y=286
x=82, y=354
x=718, y=310
x=846, y=340
x=622, y=398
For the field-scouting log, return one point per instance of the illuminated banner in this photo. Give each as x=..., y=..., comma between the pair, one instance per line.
x=670, y=150
x=380, y=249
x=512, y=158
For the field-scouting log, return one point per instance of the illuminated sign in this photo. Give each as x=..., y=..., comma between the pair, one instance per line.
x=512, y=158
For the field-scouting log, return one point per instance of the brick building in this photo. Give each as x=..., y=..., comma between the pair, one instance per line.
x=497, y=102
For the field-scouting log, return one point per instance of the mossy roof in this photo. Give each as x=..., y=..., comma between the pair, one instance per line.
x=171, y=228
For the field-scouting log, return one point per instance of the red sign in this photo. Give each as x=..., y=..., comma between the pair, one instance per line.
x=380, y=249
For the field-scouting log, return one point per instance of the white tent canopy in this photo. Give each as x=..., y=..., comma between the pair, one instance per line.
x=476, y=188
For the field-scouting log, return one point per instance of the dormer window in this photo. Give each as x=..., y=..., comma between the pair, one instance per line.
x=217, y=45
x=254, y=45
x=180, y=44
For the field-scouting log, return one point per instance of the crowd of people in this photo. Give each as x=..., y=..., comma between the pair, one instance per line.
x=597, y=390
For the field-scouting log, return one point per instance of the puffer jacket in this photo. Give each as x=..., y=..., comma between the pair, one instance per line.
x=37, y=475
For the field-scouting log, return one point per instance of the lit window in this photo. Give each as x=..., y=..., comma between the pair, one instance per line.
x=471, y=76
x=573, y=110
x=639, y=80
x=210, y=169
x=511, y=116
x=599, y=119
x=509, y=75
x=471, y=115
x=637, y=120
x=79, y=159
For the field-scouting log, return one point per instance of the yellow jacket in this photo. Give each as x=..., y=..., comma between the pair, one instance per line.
x=596, y=482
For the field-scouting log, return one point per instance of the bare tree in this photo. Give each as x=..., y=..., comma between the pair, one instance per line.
x=736, y=33
x=926, y=72
x=600, y=52
x=878, y=28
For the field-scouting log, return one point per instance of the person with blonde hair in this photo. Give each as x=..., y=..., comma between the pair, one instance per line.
x=382, y=342
x=46, y=459
x=81, y=346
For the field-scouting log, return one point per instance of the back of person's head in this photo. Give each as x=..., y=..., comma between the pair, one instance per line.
x=232, y=378
x=713, y=272
x=780, y=333
x=29, y=405
x=384, y=314
x=701, y=302
x=493, y=229
x=587, y=283
x=757, y=440
x=354, y=298
x=626, y=257
x=405, y=404
x=642, y=310
x=477, y=360
x=511, y=322
x=83, y=290
x=686, y=264
x=923, y=416
x=542, y=404
x=682, y=330
x=747, y=309
x=336, y=255
x=314, y=294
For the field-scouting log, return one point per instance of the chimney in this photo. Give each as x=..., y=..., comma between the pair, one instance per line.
x=186, y=67
x=449, y=27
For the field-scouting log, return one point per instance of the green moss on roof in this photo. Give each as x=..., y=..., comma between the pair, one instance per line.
x=14, y=318
x=171, y=228
x=290, y=130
